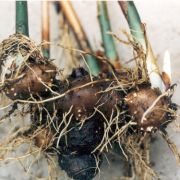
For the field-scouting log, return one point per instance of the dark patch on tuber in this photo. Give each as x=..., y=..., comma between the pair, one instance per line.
x=82, y=139
x=80, y=167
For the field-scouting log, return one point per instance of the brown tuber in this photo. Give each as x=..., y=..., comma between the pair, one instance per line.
x=36, y=79
x=147, y=115
x=93, y=112
x=88, y=99
x=82, y=112
x=24, y=72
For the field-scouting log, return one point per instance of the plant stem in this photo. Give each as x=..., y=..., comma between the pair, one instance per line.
x=138, y=32
x=45, y=27
x=108, y=42
x=132, y=16
x=80, y=34
x=22, y=18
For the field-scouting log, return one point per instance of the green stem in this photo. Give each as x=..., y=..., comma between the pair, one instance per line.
x=108, y=42
x=46, y=52
x=93, y=65
x=132, y=16
x=22, y=18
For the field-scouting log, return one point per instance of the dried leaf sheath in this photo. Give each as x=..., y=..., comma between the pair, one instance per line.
x=75, y=24
x=45, y=28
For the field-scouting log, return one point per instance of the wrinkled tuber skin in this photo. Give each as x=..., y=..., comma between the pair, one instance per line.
x=37, y=80
x=80, y=167
x=140, y=100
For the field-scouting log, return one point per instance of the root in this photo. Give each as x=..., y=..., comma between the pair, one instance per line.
x=152, y=106
x=172, y=146
x=138, y=156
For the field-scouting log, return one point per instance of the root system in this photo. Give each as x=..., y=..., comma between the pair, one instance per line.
x=81, y=117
